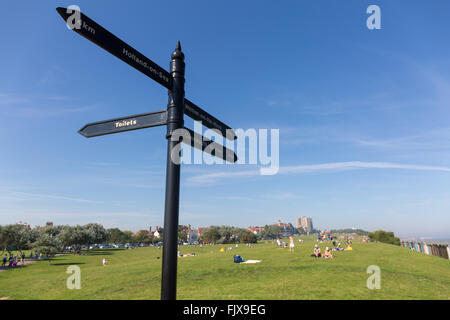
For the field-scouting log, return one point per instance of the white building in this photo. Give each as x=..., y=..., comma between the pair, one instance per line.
x=305, y=223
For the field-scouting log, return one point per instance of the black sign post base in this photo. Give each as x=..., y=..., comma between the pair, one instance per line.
x=174, y=121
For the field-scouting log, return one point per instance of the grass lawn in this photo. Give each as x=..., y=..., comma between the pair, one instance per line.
x=211, y=274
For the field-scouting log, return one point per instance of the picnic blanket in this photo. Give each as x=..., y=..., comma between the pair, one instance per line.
x=252, y=261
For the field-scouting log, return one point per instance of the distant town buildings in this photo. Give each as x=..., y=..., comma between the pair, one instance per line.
x=24, y=224
x=191, y=234
x=200, y=231
x=158, y=232
x=255, y=230
x=305, y=223
x=287, y=227
x=142, y=232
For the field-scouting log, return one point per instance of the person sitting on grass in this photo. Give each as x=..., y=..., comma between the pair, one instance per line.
x=317, y=253
x=238, y=259
x=328, y=253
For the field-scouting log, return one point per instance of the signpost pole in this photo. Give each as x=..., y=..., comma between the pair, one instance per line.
x=175, y=111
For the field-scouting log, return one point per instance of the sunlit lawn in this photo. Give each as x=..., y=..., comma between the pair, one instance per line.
x=211, y=274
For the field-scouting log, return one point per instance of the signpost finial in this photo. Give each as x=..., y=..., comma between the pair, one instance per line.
x=177, y=53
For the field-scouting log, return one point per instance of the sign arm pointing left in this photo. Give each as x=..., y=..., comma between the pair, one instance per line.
x=138, y=121
x=94, y=32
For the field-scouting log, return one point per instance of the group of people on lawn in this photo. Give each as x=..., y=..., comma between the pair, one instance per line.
x=17, y=259
x=317, y=252
x=284, y=245
x=328, y=252
x=13, y=260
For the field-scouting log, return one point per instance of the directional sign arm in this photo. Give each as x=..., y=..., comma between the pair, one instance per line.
x=105, y=39
x=138, y=121
x=195, y=112
x=213, y=148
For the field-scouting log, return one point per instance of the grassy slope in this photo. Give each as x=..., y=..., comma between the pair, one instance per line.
x=211, y=274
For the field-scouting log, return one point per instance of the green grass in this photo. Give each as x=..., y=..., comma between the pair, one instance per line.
x=211, y=274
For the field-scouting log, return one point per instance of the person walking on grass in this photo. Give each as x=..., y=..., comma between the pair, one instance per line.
x=291, y=244
x=5, y=258
x=104, y=261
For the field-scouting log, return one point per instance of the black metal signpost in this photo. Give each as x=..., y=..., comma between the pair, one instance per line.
x=172, y=117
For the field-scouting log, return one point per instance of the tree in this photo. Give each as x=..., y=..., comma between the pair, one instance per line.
x=156, y=240
x=51, y=230
x=67, y=237
x=272, y=232
x=211, y=235
x=95, y=233
x=384, y=236
x=14, y=237
x=75, y=237
x=115, y=235
x=248, y=237
x=142, y=237
x=182, y=236
x=127, y=236
x=48, y=245
x=349, y=231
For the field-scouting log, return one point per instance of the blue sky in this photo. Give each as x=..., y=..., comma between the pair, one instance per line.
x=363, y=114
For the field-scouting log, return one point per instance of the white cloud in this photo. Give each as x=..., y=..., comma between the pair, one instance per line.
x=323, y=167
x=26, y=196
x=42, y=106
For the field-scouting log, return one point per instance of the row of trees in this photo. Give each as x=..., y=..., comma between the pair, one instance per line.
x=226, y=234
x=50, y=240
x=384, y=236
x=274, y=231
x=359, y=232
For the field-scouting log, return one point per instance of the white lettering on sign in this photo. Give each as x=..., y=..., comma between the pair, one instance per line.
x=144, y=64
x=126, y=123
x=88, y=27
